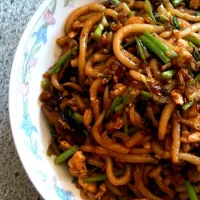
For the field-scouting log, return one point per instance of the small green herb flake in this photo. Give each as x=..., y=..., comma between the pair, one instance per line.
x=176, y=23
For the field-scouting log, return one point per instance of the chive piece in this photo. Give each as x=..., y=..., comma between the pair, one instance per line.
x=101, y=177
x=176, y=23
x=145, y=95
x=45, y=84
x=119, y=107
x=78, y=118
x=113, y=2
x=196, y=53
x=191, y=44
x=125, y=123
x=169, y=74
x=176, y=2
x=190, y=190
x=187, y=105
x=95, y=179
x=114, y=104
x=150, y=10
x=151, y=46
x=66, y=155
x=98, y=31
x=197, y=13
x=131, y=13
x=168, y=52
x=132, y=130
x=197, y=78
x=193, y=96
x=126, y=99
x=62, y=60
x=146, y=53
x=193, y=39
x=139, y=45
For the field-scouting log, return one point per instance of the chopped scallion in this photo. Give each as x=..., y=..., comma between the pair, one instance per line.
x=197, y=78
x=190, y=190
x=187, y=105
x=197, y=13
x=62, y=60
x=152, y=47
x=126, y=99
x=131, y=14
x=177, y=2
x=176, y=23
x=101, y=177
x=66, y=155
x=140, y=48
x=98, y=31
x=114, y=104
x=193, y=39
x=119, y=107
x=78, y=118
x=168, y=52
x=113, y=2
x=146, y=95
x=169, y=74
x=150, y=11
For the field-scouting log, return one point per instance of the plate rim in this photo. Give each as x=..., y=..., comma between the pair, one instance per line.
x=13, y=80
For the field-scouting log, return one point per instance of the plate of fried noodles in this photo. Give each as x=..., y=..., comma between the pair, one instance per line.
x=104, y=100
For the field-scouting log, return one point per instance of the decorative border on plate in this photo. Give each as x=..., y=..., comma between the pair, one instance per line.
x=38, y=39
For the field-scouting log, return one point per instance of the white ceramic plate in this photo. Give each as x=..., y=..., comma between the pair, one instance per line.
x=36, y=52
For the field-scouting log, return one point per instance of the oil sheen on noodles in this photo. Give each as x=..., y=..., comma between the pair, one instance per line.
x=122, y=100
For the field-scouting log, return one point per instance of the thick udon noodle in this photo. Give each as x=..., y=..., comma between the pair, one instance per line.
x=135, y=128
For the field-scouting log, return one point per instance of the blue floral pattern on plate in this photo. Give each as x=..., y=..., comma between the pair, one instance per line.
x=39, y=39
x=52, y=183
x=41, y=35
